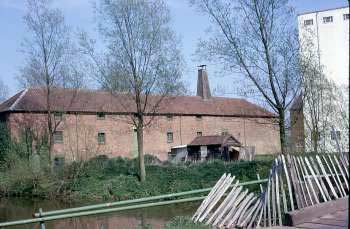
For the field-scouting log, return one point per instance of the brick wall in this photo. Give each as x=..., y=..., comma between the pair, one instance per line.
x=80, y=133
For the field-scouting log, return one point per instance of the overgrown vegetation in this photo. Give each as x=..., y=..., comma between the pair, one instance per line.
x=27, y=172
x=117, y=178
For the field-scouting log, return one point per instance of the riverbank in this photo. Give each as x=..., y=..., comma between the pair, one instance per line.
x=102, y=179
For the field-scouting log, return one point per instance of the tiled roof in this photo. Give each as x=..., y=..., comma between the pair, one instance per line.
x=214, y=140
x=82, y=100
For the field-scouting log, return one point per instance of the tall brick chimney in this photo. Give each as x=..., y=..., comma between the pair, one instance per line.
x=203, y=89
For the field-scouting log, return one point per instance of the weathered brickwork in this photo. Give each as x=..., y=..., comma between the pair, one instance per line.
x=80, y=133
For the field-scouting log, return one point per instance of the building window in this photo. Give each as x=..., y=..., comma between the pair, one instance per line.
x=198, y=117
x=335, y=135
x=58, y=137
x=101, y=138
x=170, y=137
x=309, y=22
x=101, y=115
x=199, y=133
x=346, y=16
x=169, y=117
x=224, y=132
x=58, y=116
x=328, y=19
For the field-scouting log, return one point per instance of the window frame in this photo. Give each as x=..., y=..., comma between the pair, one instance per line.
x=335, y=135
x=58, y=140
x=325, y=19
x=101, y=115
x=346, y=16
x=199, y=117
x=307, y=22
x=169, y=137
x=199, y=133
x=58, y=116
x=99, y=134
x=169, y=117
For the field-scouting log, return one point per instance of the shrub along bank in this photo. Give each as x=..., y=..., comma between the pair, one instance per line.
x=102, y=178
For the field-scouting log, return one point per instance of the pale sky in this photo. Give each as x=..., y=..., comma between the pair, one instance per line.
x=189, y=24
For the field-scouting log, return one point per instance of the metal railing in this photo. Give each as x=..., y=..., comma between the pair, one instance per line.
x=41, y=217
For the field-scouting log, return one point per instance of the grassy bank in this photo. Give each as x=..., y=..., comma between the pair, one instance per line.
x=116, y=179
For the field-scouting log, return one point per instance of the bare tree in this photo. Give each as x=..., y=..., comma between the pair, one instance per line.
x=259, y=40
x=142, y=60
x=3, y=91
x=49, y=56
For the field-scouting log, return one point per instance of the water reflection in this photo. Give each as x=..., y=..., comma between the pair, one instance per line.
x=154, y=217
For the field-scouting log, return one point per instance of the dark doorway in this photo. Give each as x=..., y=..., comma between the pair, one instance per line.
x=234, y=155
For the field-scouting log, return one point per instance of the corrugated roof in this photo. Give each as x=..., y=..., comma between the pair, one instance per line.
x=214, y=140
x=82, y=100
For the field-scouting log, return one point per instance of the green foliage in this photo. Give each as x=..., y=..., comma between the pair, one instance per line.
x=184, y=223
x=102, y=178
x=4, y=142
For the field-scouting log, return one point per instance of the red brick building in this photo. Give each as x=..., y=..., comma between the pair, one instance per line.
x=91, y=122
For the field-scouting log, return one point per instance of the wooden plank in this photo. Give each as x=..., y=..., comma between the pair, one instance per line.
x=336, y=174
x=278, y=197
x=216, y=198
x=315, y=178
x=300, y=180
x=273, y=199
x=268, y=202
x=304, y=179
x=318, y=226
x=249, y=214
x=288, y=183
x=294, y=218
x=335, y=179
x=242, y=206
x=246, y=209
x=226, y=207
x=333, y=222
x=233, y=208
x=256, y=211
x=309, y=181
x=206, y=200
x=297, y=191
x=326, y=177
x=320, y=180
x=341, y=171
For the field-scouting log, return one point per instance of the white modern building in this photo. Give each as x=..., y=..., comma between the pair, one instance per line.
x=329, y=30
x=328, y=33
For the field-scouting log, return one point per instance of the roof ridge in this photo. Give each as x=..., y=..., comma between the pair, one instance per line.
x=18, y=99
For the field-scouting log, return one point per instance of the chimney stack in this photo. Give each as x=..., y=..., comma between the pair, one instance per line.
x=203, y=89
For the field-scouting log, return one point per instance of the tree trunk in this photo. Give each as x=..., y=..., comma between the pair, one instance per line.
x=142, y=170
x=49, y=123
x=282, y=128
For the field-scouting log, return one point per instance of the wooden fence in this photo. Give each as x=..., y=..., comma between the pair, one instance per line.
x=294, y=182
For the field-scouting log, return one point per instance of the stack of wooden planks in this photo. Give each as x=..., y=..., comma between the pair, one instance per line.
x=294, y=182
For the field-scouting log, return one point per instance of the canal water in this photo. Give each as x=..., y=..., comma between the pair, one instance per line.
x=153, y=217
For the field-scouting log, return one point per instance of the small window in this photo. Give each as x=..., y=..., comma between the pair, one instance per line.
x=101, y=115
x=58, y=116
x=170, y=137
x=335, y=135
x=198, y=117
x=169, y=117
x=346, y=16
x=199, y=133
x=224, y=132
x=101, y=138
x=328, y=19
x=58, y=137
x=309, y=22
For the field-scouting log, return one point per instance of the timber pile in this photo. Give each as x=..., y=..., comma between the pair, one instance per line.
x=294, y=182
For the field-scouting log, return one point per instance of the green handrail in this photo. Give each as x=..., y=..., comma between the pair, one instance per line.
x=91, y=209
x=134, y=201
x=95, y=212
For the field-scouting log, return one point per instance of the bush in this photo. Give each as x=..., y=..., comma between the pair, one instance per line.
x=184, y=222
